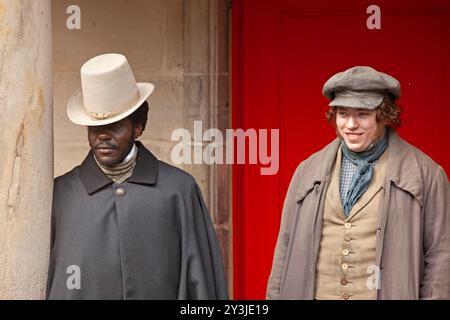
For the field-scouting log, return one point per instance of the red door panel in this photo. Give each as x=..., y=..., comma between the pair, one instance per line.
x=283, y=52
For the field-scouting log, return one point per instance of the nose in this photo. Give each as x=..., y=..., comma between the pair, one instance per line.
x=102, y=133
x=103, y=136
x=352, y=123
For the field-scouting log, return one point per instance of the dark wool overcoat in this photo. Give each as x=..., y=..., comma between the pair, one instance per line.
x=150, y=237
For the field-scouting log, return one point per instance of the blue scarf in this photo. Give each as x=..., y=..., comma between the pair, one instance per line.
x=362, y=177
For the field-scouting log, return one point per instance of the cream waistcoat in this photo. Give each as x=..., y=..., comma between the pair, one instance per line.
x=345, y=266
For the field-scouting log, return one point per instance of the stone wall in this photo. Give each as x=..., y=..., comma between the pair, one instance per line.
x=26, y=157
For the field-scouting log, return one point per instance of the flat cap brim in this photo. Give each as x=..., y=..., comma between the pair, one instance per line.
x=359, y=100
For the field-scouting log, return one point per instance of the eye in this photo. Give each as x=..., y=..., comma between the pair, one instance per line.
x=342, y=113
x=115, y=126
x=93, y=129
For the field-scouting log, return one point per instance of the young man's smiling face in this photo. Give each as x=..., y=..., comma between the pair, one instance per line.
x=113, y=142
x=359, y=128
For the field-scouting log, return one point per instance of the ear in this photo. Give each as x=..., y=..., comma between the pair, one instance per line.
x=137, y=130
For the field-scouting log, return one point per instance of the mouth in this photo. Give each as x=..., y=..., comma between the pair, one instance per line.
x=105, y=151
x=353, y=135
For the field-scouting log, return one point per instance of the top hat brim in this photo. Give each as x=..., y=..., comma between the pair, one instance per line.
x=78, y=114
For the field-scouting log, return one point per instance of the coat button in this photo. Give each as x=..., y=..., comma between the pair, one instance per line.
x=344, y=282
x=345, y=296
x=344, y=266
x=345, y=252
x=348, y=225
x=120, y=192
x=348, y=238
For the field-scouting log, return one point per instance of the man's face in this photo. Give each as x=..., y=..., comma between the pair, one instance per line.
x=111, y=143
x=358, y=127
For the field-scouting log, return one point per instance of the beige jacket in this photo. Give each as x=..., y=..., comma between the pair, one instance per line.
x=413, y=238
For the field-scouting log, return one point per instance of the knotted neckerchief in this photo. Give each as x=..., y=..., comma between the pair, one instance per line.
x=122, y=171
x=362, y=177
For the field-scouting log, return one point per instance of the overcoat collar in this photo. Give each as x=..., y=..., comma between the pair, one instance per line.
x=145, y=171
x=402, y=167
x=317, y=168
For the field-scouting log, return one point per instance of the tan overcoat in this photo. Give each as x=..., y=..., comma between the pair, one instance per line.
x=413, y=234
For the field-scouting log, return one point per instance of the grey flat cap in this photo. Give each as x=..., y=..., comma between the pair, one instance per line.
x=360, y=87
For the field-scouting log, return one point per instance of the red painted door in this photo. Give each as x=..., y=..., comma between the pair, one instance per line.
x=283, y=52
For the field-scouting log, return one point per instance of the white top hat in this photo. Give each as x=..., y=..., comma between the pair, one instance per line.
x=108, y=93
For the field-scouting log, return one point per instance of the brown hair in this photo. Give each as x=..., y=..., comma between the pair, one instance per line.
x=388, y=111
